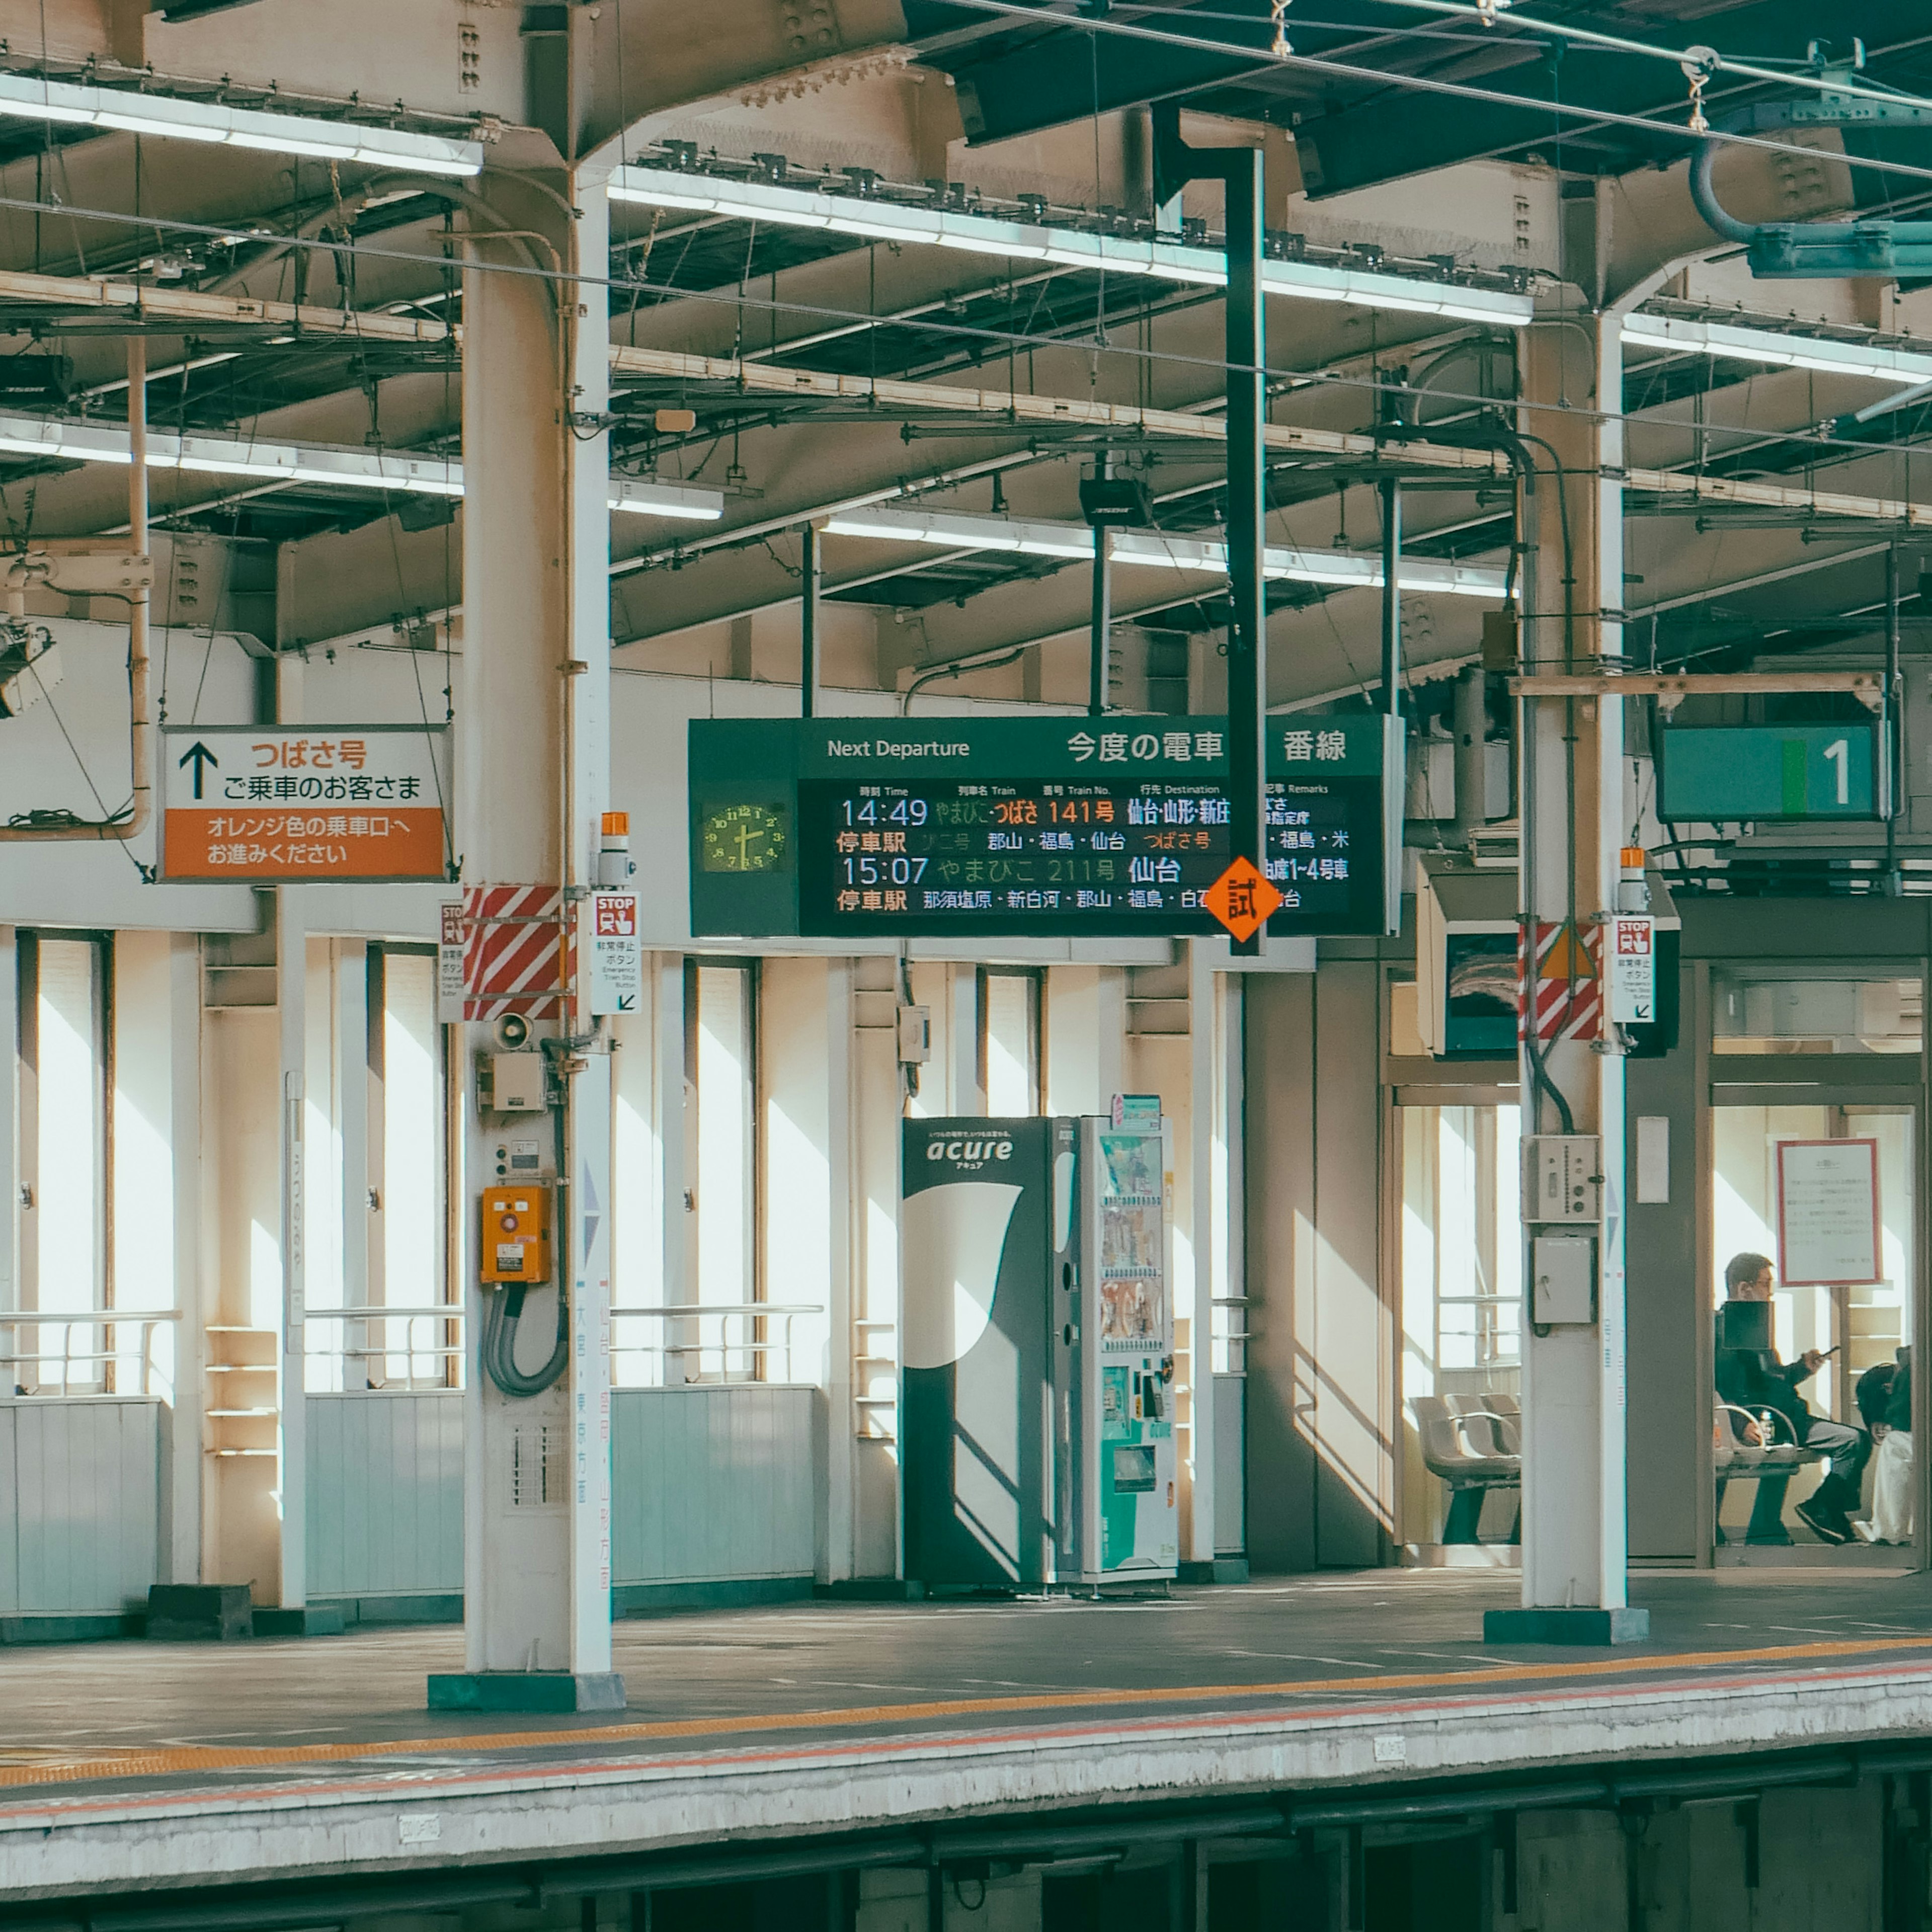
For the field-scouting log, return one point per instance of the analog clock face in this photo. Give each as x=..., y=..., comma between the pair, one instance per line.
x=744, y=839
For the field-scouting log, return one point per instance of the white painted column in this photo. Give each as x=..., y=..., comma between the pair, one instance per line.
x=532, y=778
x=1205, y=1236
x=1574, y=1531
x=588, y=1119
x=181, y=1560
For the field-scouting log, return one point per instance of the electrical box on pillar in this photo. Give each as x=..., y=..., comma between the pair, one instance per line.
x=515, y=1243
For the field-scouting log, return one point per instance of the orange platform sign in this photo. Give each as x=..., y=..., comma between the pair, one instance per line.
x=1241, y=898
x=266, y=804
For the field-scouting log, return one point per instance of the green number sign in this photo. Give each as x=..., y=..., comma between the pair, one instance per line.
x=1714, y=773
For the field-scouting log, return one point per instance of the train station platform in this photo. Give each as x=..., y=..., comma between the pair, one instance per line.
x=131, y=1765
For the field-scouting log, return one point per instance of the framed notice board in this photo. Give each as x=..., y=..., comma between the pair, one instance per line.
x=1828, y=1213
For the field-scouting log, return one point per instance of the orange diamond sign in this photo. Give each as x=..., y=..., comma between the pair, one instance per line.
x=1241, y=898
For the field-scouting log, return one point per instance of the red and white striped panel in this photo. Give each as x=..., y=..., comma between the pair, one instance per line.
x=517, y=952
x=1568, y=1006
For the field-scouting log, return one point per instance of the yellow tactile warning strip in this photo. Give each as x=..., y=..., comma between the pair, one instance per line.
x=166, y=1761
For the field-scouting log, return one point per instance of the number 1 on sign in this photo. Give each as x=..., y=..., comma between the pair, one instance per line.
x=1839, y=753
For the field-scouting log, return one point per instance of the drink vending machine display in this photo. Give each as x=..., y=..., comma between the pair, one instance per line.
x=1037, y=1354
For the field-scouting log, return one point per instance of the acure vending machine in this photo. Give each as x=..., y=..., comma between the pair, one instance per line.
x=1037, y=1354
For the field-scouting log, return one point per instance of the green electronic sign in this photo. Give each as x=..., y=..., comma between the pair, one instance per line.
x=1715, y=773
x=1044, y=827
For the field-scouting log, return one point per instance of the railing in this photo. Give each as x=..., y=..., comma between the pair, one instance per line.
x=1224, y=1336
x=751, y=1356
x=101, y=1369
x=420, y=1358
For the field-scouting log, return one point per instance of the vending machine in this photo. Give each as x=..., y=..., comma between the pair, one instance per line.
x=1037, y=1354
x=1114, y=1361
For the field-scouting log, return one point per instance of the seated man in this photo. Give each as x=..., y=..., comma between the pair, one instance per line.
x=1755, y=1378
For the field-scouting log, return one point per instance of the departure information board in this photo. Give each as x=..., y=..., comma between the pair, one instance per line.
x=1043, y=827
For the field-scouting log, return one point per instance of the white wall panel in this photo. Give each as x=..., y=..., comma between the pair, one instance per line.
x=86, y=1490
x=386, y=1493
x=712, y=1482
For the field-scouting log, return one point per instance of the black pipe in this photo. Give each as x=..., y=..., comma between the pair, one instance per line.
x=811, y=560
x=1100, y=659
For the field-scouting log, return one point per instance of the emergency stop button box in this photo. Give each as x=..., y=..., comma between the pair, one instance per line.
x=515, y=1242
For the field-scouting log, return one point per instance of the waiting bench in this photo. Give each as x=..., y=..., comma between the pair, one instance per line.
x=1771, y=1464
x=1474, y=1444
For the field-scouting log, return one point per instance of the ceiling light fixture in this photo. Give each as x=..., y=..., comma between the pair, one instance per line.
x=392, y=470
x=1072, y=247
x=1773, y=347
x=24, y=97
x=957, y=530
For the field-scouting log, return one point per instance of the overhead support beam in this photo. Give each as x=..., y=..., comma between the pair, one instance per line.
x=1125, y=420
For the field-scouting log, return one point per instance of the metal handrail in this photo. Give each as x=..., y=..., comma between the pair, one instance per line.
x=753, y=1350
x=68, y=1320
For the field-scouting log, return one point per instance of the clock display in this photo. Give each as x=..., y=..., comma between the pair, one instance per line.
x=745, y=839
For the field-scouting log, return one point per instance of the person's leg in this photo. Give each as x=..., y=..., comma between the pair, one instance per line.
x=1767, y=1515
x=1839, y=1494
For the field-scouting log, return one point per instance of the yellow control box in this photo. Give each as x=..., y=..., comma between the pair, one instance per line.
x=515, y=1244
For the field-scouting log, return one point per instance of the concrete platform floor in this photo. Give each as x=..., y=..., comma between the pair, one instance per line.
x=821, y=1716
x=842, y=1667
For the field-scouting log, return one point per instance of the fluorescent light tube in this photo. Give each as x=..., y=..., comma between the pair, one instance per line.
x=1165, y=260
x=1156, y=550
x=170, y=116
x=666, y=499
x=392, y=471
x=1776, y=348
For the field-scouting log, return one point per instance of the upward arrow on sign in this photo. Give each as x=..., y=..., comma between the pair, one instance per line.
x=200, y=757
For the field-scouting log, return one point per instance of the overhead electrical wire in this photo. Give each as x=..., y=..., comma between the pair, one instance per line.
x=1263, y=61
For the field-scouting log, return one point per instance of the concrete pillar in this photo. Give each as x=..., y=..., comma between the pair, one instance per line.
x=1574, y=1533
x=181, y=1557
x=1207, y=1236
x=533, y=776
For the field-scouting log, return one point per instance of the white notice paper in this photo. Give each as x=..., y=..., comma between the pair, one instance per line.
x=1827, y=1219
